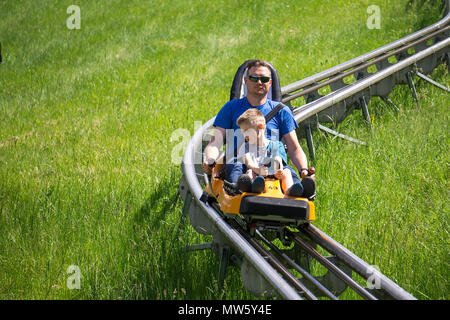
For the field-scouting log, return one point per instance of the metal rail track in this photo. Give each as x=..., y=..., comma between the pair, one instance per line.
x=268, y=270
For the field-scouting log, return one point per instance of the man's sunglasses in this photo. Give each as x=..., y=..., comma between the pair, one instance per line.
x=256, y=78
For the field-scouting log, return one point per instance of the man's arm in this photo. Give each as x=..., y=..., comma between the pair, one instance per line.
x=296, y=153
x=212, y=149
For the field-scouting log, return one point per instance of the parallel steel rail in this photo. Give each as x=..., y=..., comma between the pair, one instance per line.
x=268, y=272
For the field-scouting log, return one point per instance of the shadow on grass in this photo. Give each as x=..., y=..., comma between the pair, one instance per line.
x=162, y=268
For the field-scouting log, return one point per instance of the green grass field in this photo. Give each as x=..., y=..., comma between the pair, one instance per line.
x=87, y=115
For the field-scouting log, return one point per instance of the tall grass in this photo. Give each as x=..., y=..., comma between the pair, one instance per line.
x=387, y=200
x=86, y=118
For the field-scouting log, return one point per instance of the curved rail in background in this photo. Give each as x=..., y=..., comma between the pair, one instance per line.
x=350, y=90
x=353, y=63
x=232, y=243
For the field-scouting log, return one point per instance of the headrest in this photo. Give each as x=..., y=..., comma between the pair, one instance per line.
x=239, y=89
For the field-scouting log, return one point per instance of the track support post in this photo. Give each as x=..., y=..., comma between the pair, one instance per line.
x=340, y=135
x=411, y=85
x=365, y=110
x=310, y=142
x=223, y=265
x=424, y=77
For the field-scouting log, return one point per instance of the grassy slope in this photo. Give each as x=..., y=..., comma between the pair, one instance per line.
x=387, y=201
x=85, y=123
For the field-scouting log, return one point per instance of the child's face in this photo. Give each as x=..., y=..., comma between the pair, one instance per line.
x=254, y=135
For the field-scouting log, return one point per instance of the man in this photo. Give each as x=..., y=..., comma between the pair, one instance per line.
x=283, y=125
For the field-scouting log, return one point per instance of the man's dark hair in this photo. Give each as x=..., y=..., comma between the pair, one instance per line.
x=257, y=63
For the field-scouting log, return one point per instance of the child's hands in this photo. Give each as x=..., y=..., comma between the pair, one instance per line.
x=263, y=171
x=279, y=174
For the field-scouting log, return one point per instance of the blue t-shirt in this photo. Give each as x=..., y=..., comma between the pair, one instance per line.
x=281, y=124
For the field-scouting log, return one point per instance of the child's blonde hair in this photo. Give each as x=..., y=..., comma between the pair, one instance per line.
x=252, y=118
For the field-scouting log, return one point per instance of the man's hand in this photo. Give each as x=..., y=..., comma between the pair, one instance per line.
x=304, y=173
x=207, y=165
x=212, y=150
x=308, y=173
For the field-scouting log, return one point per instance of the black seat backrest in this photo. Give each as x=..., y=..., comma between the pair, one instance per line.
x=239, y=89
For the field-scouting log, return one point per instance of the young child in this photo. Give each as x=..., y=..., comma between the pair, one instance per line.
x=262, y=157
